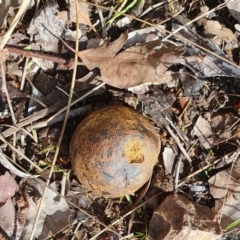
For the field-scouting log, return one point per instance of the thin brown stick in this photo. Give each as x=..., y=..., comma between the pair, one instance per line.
x=34, y=54
x=185, y=109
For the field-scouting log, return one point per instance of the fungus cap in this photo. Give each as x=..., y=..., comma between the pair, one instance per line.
x=113, y=151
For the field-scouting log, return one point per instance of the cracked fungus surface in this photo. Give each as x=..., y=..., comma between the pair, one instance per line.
x=113, y=151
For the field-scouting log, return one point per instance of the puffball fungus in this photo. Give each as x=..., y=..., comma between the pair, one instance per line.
x=113, y=151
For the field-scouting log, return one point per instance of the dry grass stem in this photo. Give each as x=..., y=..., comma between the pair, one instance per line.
x=19, y=153
x=63, y=127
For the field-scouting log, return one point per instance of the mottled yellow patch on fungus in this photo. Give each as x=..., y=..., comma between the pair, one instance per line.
x=133, y=151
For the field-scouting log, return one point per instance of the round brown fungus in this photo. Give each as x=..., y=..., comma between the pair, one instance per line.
x=113, y=151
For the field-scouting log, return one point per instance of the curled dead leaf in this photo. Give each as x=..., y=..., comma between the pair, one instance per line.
x=133, y=66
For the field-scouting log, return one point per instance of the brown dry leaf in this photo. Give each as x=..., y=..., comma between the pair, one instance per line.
x=226, y=184
x=220, y=120
x=221, y=33
x=8, y=187
x=216, y=31
x=93, y=57
x=219, y=183
x=55, y=214
x=133, y=66
x=5, y=8
x=9, y=221
x=82, y=13
x=203, y=130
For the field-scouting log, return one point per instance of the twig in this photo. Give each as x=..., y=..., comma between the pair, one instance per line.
x=19, y=129
x=185, y=109
x=35, y=99
x=184, y=152
x=168, y=122
x=76, y=229
x=177, y=131
x=5, y=90
x=102, y=20
x=217, y=142
x=177, y=173
x=63, y=184
x=34, y=54
x=73, y=113
x=19, y=153
x=151, y=8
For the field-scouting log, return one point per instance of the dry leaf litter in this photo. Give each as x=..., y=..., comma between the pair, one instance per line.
x=174, y=75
